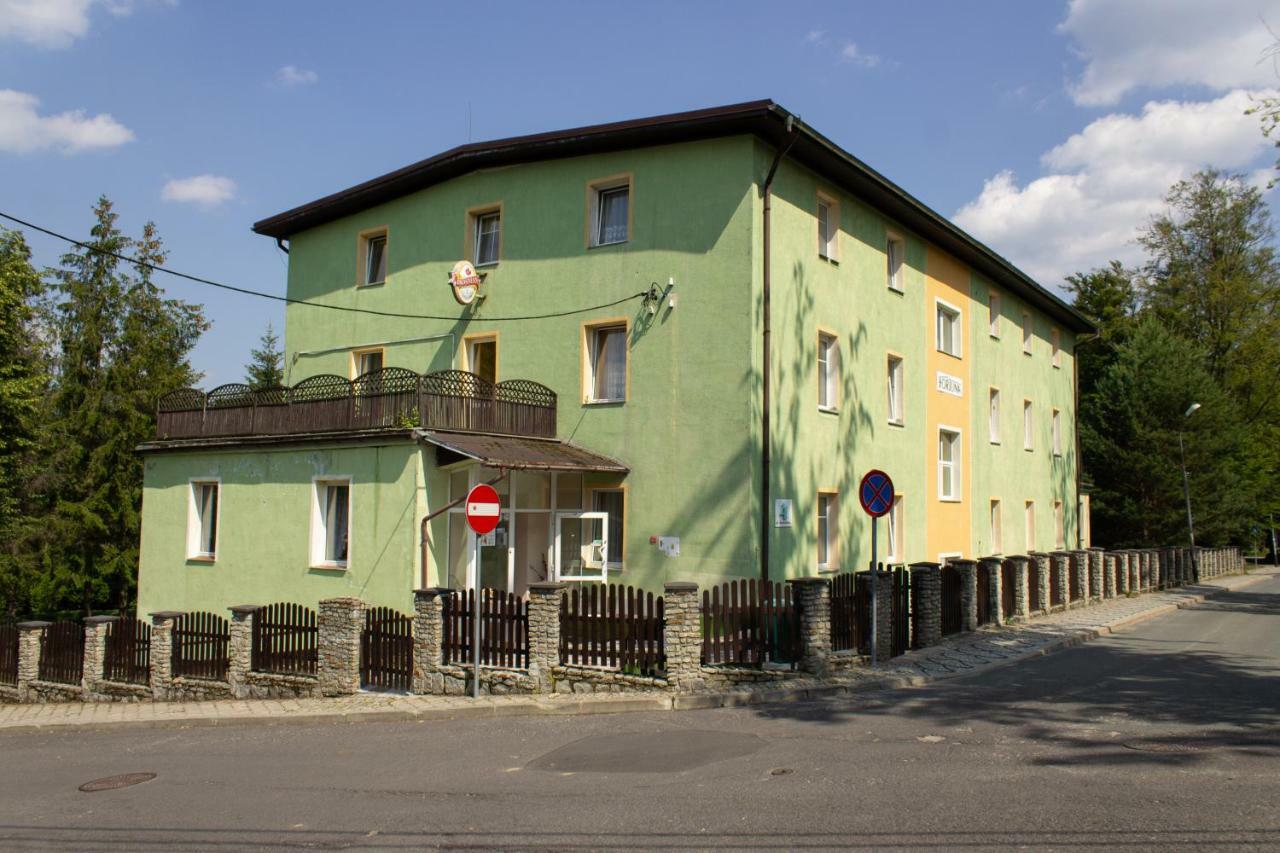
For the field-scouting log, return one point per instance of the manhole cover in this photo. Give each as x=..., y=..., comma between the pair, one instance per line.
x=1160, y=746
x=110, y=783
x=656, y=752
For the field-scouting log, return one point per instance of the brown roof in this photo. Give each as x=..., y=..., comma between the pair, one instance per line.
x=519, y=452
x=765, y=119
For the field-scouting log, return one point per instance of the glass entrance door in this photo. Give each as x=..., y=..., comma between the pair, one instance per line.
x=581, y=547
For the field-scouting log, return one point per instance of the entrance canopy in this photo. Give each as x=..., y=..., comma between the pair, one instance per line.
x=517, y=452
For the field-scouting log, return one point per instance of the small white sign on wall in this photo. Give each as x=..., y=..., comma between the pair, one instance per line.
x=782, y=514
x=669, y=545
x=949, y=384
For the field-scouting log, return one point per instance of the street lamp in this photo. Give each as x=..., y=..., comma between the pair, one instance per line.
x=1186, y=484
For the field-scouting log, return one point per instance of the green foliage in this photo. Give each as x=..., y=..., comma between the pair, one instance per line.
x=266, y=363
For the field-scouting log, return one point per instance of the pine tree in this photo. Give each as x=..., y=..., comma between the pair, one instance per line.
x=266, y=364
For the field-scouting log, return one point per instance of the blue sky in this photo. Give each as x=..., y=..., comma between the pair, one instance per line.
x=1050, y=130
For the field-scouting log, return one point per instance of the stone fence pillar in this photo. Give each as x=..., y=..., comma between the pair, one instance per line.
x=1080, y=571
x=995, y=592
x=162, y=652
x=882, y=613
x=1021, y=568
x=926, y=604
x=1040, y=568
x=1134, y=572
x=240, y=649
x=1096, y=585
x=339, y=624
x=30, y=638
x=544, y=631
x=428, y=640
x=968, y=570
x=1108, y=575
x=1157, y=568
x=682, y=635
x=1060, y=561
x=813, y=596
x=95, y=652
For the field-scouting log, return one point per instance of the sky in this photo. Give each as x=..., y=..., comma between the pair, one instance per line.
x=1050, y=131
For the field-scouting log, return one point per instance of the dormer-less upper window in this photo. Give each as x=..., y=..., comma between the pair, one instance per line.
x=611, y=215
x=375, y=259
x=488, y=236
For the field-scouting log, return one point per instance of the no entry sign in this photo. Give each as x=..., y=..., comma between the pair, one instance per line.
x=483, y=509
x=876, y=493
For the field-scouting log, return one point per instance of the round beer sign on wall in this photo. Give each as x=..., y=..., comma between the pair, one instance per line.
x=465, y=281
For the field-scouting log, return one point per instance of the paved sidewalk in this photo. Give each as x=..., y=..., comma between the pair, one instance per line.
x=960, y=655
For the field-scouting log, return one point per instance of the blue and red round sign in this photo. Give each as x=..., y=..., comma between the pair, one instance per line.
x=876, y=493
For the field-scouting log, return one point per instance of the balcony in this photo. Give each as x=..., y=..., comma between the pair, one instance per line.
x=391, y=398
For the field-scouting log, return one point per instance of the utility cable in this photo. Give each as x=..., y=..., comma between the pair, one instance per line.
x=89, y=247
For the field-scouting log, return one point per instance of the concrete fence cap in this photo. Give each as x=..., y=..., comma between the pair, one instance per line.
x=166, y=614
x=33, y=625
x=811, y=581
x=100, y=620
x=924, y=566
x=244, y=609
x=547, y=586
x=679, y=586
x=432, y=592
x=1023, y=557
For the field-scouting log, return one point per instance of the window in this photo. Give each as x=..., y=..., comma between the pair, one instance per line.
x=828, y=372
x=948, y=337
x=1028, y=427
x=1030, y=525
x=202, y=524
x=482, y=356
x=607, y=363
x=375, y=259
x=1059, y=530
x=993, y=417
x=1055, y=338
x=895, y=253
x=487, y=240
x=1026, y=332
x=331, y=523
x=948, y=464
x=1057, y=433
x=610, y=212
x=828, y=511
x=894, y=554
x=895, y=390
x=828, y=228
x=993, y=314
x=613, y=501
x=997, y=529
x=365, y=361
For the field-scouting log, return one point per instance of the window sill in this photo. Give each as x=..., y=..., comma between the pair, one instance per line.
x=1057, y=367
x=591, y=246
x=1026, y=352
x=202, y=558
x=368, y=285
x=995, y=441
x=897, y=289
x=995, y=336
x=835, y=262
x=329, y=567
x=604, y=402
x=1029, y=449
x=957, y=356
x=829, y=410
x=828, y=570
x=946, y=500
x=897, y=423
x=487, y=265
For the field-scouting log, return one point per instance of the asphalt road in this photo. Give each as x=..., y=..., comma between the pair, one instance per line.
x=1165, y=737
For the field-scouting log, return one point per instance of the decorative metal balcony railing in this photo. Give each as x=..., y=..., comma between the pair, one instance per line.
x=389, y=398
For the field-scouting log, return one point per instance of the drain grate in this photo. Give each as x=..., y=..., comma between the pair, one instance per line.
x=111, y=783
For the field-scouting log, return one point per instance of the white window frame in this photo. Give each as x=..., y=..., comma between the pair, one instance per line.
x=598, y=191
x=894, y=369
x=993, y=314
x=943, y=307
x=367, y=280
x=614, y=556
x=893, y=553
x=1055, y=339
x=828, y=372
x=480, y=218
x=1029, y=524
x=1056, y=425
x=319, y=529
x=993, y=415
x=1028, y=332
x=195, y=521
x=1028, y=426
x=996, y=522
x=895, y=252
x=584, y=515
x=828, y=239
x=593, y=348
x=957, y=451
x=832, y=518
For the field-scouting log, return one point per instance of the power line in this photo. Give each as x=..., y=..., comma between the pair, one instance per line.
x=260, y=294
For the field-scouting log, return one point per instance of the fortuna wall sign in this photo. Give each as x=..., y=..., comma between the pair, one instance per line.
x=465, y=282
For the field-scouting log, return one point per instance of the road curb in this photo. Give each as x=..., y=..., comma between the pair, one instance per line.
x=556, y=705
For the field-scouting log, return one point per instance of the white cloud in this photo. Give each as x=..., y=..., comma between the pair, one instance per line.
x=205, y=190
x=1130, y=44
x=1104, y=183
x=57, y=23
x=852, y=53
x=292, y=75
x=23, y=129
x=816, y=37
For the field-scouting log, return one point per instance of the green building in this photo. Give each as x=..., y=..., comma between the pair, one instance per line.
x=587, y=317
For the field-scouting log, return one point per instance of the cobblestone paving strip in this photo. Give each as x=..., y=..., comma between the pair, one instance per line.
x=956, y=655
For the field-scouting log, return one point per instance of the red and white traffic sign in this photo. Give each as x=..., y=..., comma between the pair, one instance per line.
x=483, y=509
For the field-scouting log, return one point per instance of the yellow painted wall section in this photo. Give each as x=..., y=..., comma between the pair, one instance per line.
x=947, y=522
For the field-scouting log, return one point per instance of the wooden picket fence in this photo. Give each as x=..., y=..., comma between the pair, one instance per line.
x=386, y=650
x=952, y=617
x=285, y=640
x=850, y=610
x=619, y=627
x=750, y=623
x=201, y=646
x=8, y=654
x=128, y=655
x=62, y=652
x=504, y=628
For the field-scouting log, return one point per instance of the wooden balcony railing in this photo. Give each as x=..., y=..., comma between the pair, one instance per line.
x=390, y=398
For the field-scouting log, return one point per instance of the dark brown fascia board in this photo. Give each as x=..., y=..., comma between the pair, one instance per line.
x=306, y=439
x=764, y=119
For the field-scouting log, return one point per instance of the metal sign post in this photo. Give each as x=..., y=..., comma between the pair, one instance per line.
x=483, y=513
x=875, y=493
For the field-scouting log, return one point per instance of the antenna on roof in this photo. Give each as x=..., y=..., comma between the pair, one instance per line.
x=468, y=121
